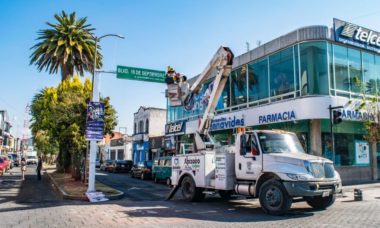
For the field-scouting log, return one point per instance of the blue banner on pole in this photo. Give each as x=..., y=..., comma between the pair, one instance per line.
x=95, y=121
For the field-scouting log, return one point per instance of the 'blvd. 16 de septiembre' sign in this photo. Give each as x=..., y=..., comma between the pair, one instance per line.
x=140, y=74
x=95, y=121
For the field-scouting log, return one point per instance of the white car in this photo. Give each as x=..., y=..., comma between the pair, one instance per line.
x=31, y=159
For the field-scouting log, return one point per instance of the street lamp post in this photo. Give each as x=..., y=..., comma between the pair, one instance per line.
x=95, y=98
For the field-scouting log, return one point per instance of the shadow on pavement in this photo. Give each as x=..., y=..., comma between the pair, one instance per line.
x=33, y=194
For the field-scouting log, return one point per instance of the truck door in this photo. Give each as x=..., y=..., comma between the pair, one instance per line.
x=249, y=158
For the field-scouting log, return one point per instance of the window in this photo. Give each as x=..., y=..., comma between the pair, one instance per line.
x=258, y=80
x=225, y=97
x=134, y=128
x=355, y=67
x=239, y=86
x=112, y=155
x=141, y=126
x=147, y=126
x=369, y=73
x=120, y=154
x=314, y=70
x=341, y=69
x=281, y=72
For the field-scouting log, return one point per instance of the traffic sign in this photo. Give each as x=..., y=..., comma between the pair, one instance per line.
x=140, y=74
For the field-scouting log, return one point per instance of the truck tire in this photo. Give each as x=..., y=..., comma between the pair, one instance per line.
x=224, y=194
x=190, y=192
x=274, y=198
x=168, y=181
x=319, y=202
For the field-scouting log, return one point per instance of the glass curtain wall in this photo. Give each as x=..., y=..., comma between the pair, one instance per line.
x=258, y=80
x=281, y=70
x=341, y=69
x=314, y=70
x=239, y=86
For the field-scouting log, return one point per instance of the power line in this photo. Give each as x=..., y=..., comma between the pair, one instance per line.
x=365, y=15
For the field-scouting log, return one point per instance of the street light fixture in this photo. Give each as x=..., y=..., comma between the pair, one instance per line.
x=95, y=98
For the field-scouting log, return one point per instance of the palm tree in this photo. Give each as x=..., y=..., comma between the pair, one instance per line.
x=68, y=45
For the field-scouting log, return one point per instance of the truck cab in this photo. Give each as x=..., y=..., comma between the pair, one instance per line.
x=266, y=164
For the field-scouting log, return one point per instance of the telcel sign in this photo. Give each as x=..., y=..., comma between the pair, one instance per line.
x=356, y=35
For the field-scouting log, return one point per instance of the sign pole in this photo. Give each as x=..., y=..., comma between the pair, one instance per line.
x=93, y=144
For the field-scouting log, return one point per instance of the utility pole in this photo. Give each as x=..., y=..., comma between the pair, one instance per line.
x=95, y=98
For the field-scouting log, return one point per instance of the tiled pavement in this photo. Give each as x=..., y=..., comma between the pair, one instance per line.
x=34, y=204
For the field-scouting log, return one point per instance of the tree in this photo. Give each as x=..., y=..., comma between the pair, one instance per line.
x=67, y=45
x=60, y=114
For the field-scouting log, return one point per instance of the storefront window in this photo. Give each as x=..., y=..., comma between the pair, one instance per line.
x=225, y=97
x=369, y=71
x=344, y=147
x=314, y=70
x=341, y=68
x=239, y=86
x=346, y=134
x=377, y=70
x=258, y=80
x=355, y=67
x=281, y=72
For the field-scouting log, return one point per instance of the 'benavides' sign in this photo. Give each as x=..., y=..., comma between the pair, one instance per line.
x=356, y=35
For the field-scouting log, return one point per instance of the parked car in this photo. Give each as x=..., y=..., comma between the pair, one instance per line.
x=7, y=162
x=142, y=170
x=121, y=166
x=97, y=163
x=162, y=169
x=3, y=167
x=16, y=161
x=11, y=161
x=106, y=165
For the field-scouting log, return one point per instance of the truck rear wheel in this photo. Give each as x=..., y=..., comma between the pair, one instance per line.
x=274, y=198
x=319, y=202
x=190, y=192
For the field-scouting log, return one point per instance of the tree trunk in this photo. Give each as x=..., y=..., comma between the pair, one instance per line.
x=66, y=72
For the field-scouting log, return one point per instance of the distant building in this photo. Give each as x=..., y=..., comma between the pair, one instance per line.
x=5, y=135
x=148, y=122
x=121, y=148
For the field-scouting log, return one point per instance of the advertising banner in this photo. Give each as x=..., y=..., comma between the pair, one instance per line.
x=356, y=35
x=361, y=152
x=95, y=121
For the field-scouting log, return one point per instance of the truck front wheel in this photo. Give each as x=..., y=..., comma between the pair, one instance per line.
x=319, y=202
x=274, y=198
x=190, y=192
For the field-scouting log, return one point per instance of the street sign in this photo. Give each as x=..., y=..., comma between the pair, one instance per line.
x=95, y=121
x=140, y=74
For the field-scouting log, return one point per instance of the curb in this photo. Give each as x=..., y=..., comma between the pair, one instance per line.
x=65, y=195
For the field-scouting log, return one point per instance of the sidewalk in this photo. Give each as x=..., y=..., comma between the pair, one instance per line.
x=75, y=190
x=350, y=188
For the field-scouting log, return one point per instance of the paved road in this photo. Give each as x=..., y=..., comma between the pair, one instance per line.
x=34, y=204
x=134, y=189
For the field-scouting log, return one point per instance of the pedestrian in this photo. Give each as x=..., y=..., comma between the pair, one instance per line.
x=39, y=167
x=23, y=168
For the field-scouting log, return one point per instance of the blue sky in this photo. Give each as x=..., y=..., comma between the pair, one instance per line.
x=183, y=34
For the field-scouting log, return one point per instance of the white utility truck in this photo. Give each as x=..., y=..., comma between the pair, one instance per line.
x=267, y=164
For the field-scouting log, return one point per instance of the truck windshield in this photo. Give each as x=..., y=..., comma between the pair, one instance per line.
x=280, y=143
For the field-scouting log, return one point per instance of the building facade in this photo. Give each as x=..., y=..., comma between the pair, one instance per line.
x=290, y=82
x=148, y=122
x=120, y=148
x=5, y=134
